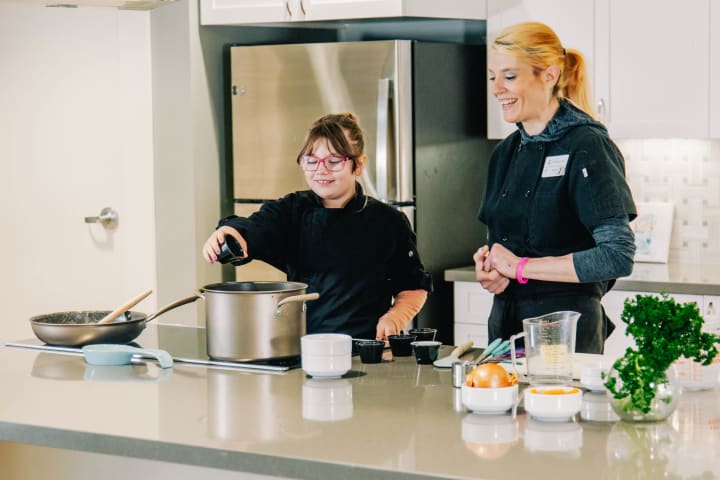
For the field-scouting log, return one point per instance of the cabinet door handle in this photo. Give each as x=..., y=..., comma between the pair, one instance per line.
x=601, y=109
x=302, y=7
x=287, y=6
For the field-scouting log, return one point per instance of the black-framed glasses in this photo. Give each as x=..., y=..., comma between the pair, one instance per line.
x=333, y=163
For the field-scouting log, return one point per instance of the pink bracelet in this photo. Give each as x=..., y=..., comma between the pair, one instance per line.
x=518, y=273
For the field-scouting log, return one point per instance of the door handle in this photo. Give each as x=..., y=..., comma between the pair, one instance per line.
x=108, y=218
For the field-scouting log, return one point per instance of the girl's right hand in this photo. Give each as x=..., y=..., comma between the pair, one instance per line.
x=211, y=249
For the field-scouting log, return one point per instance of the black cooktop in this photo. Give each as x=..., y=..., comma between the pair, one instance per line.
x=185, y=344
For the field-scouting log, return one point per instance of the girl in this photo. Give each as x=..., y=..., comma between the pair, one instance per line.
x=356, y=252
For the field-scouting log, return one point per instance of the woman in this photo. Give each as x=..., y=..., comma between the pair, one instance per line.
x=356, y=252
x=556, y=203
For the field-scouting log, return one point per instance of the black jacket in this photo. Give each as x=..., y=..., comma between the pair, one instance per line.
x=357, y=258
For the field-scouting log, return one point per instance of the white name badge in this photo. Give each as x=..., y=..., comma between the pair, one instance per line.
x=555, y=165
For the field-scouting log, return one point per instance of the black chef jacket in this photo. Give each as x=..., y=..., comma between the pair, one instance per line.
x=357, y=257
x=544, y=199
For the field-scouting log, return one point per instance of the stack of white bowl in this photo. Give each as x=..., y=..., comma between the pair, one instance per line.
x=326, y=355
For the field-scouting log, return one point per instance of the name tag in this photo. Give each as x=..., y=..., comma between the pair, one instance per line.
x=555, y=166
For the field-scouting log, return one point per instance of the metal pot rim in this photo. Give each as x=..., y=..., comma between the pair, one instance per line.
x=259, y=287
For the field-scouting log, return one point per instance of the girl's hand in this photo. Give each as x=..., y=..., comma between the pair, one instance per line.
x=211, y=248
x=386, y=326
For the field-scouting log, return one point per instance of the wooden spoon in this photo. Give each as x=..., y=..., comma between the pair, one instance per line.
x=120, y=310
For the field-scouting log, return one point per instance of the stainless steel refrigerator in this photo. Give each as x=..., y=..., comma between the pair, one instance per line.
x=422, y=107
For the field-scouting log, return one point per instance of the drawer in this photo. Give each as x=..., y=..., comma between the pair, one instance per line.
x=471, y=302
x=469, y=331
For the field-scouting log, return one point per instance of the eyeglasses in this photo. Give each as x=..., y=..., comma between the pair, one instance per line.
x=333, y=163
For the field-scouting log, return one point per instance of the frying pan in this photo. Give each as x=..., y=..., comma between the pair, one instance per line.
x=78, y=328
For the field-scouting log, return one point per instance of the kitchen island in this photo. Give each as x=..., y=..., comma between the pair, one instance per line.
x=394, y=420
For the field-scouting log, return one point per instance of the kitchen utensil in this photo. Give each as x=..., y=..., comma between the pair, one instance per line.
x=496, y=354
x=122, y=309
x=231, y=251
x=326, y=354
x=552, y=403
x=446, y=362
x=255, y=320
x=113, y=354
x=400, y=344
x=489, y=401
x=426, y=351
x=424, y=333
x=79, y=328
x=496, y=345
x=370, y=350
x=549, y=347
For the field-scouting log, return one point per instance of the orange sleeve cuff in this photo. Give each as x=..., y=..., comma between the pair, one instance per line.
x=407, y=304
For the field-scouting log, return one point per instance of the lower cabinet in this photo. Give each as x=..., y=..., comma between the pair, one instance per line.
x=472, y=305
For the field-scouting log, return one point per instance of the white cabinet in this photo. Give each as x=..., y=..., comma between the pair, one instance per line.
x=572, y=20
x=472, y=305
x=714, y=70
x=652, y=67
x=238, y=12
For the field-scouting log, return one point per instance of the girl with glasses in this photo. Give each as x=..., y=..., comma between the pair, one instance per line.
x=359, y=254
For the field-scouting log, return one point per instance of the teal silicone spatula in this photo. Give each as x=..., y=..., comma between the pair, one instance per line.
x=446, y=362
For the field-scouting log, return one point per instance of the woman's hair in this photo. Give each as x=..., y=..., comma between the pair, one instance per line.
x=537, y=44
x=343, y=133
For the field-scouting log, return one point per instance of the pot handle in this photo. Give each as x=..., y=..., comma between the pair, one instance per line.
x=296, y=298
x=173, y=305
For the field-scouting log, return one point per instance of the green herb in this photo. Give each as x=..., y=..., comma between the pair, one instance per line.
x=664, y=330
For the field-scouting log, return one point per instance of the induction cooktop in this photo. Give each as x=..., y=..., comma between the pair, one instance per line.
x=186, y=344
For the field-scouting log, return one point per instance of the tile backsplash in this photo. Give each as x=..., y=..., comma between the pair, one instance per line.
x=686, y=173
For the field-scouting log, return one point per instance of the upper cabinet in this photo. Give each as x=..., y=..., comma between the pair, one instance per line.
x=714, y=70
x=572, y=20
x=239, y=12
x=652, y=67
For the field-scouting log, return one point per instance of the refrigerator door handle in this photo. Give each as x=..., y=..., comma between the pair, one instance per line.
x=381, y=152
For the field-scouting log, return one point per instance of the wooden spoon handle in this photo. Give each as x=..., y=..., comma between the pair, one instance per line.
x=462, y=348
x=120, y=310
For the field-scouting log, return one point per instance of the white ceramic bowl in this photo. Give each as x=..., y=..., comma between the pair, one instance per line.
x=549, y=405
x=591, y=377
x=489, y=401
x=489, y=429
x=328, y=366
x=327, y=400
x=326, y=344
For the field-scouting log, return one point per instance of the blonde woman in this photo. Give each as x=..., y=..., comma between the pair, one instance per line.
x=556, y=202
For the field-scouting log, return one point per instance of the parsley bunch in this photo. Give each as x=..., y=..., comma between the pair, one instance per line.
x=664, y=330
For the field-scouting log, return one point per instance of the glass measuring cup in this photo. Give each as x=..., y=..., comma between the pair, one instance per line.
x=549, y=347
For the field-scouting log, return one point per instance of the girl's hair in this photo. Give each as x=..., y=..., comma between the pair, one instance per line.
x=537, y=44
x=342, y=131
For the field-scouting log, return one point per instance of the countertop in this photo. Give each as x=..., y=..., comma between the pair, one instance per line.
x=394, y=420
x=695, y=279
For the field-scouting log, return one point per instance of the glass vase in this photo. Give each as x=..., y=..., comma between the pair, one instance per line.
x=667, y=394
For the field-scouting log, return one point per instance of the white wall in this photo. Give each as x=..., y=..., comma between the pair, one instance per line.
x=75, y=136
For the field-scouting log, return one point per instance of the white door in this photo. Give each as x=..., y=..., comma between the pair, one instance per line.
x=75, y=136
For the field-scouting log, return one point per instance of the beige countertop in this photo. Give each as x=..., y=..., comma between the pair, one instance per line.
x=693, y=279
x=394, y=420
